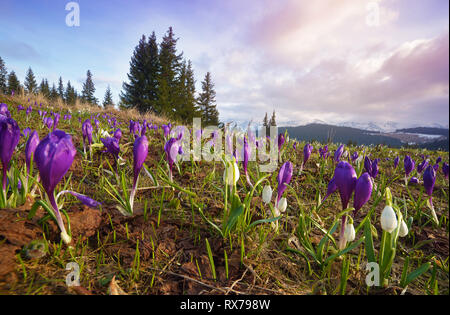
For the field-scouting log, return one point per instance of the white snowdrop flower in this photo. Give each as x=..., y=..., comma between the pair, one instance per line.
x=349, y=232
x=388, y=219
x=282, y=205
x=267, y=194
x=403, y=229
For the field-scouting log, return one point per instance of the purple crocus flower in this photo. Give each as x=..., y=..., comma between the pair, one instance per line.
x=30, y=148
x=331, y=189
x=56, y=120
x=247, y=153
x=429, y=179
x=294, y=145
x=112, y=146
x=29, y=110
x=86, y=130
x=363, y=191
x=306, y=153
x=48, y=122
x=54, y=156
x=4, y=110
x=284, y=177
x=345, y=179
x=436, y=167
x=118, y=134
x=414, y=180
x=409, y=164
x=91, y=203
x=338, y=153
x=324, y=152
x=280, y=140
x=9, y=138
x=396, y=161
x=140, y=152
x=445, y=170
x=438, y=160
x=172, y=148
x=26, y=132
x=421, y=166
x=354, y=156
x=166, y=129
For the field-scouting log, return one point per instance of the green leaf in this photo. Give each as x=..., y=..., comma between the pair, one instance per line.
x=370, y=251
x=416, y=273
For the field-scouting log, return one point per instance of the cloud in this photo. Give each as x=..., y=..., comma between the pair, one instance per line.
x=19, y=50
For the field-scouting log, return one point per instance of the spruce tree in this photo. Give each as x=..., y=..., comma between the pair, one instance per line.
x=170, y=62
x=70, y=94
x=207, y=102
x=87, y=94
x=30, y=82
x=61, y=88
x=54, y=93
x=187, y=109
x=44, y=89
x=141, y=91
x=272, y=120
x=266, y=124
x=3, y=77
x=107, y=100
x=13, y=83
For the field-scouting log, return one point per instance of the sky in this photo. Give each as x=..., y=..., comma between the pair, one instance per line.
x=378, y=61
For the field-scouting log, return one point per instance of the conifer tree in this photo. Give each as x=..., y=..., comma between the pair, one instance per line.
x=170, y=63
x=272, y=120
x=107, y=100
x=30, y=82
x=141, y=91
x=61, y=88
x=53, y=93
x=3, y=77
x=207, y=102
x=187, y=109
x=13, y=83
x=266, y=124
x=87, y=94
x=70, y=95
x=44, y=89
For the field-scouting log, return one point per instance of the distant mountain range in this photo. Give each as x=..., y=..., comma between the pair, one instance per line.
x=423, y=137
x=433, y=136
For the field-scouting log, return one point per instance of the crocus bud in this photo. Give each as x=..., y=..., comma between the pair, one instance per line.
x=282, y=205
x=338, y=153
x=30, y=148
x=140, y=151
x=363, y=191
x=396, y=161
x=429, y=179
x=9, y=138
x=267, y=194
x=403, y=229
x=388, y=219
x=284, y=177
x=307, y=152
x=445, y=170
x=345, y=179
x=408, y=164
